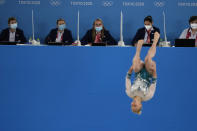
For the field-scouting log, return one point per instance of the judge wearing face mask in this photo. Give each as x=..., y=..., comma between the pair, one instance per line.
x=60, y=34
x=12, y=33
x=98, y=34
x=146, y=33
x=191, y=32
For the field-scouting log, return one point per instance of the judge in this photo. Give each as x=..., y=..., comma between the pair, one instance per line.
x=98, y=34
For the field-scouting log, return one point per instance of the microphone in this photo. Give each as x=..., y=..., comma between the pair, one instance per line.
x=164, y=18
x=34, y=42
x=121, y=42
x=33, y=25
x=78, y=41
x=166, y=43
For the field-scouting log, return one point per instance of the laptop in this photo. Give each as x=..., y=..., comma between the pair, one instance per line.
x=9, y=43
x=185, y=43
x=147, y=44
x=99, y=44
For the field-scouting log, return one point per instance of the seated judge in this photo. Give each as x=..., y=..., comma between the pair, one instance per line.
x=60, y=34
x=98, y=34
x=191, y=32
x=12, y=33
x=146, y=33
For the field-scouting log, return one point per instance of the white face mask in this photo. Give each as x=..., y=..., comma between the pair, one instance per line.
x=98, y=29
x=194, y=26
x=148, y=27
x=13, y=26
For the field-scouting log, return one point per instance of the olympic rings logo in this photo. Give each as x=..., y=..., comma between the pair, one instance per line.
x=159, y=3
x=55, y=2
x=108, y=3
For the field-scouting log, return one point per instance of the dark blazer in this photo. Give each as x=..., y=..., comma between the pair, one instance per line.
x=19, y=35
x=67, y=37
x=107, y=38
x=141, y=34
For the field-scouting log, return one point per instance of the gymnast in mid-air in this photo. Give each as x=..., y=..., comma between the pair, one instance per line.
x=144, y=85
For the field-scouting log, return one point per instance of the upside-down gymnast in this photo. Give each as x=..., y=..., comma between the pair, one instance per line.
x=144, y=85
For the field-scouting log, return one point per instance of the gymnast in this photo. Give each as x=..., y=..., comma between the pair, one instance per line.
x=144, y=85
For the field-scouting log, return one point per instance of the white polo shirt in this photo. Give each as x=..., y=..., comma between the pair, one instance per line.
x=184, y=35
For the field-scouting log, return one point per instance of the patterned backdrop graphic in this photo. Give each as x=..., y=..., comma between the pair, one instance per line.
x=48, y=11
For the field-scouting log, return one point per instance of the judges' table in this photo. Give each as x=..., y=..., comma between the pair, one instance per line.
x=83, y=88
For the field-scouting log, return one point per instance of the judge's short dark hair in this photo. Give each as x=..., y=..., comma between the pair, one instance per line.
x=148, y=18
x=11, y=19
x=192, y=18
x=60, y=19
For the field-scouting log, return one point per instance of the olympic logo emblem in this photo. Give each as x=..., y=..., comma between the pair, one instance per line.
x=2, y=2
x=159, y=3
x=107, y=3
x=55, y=2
